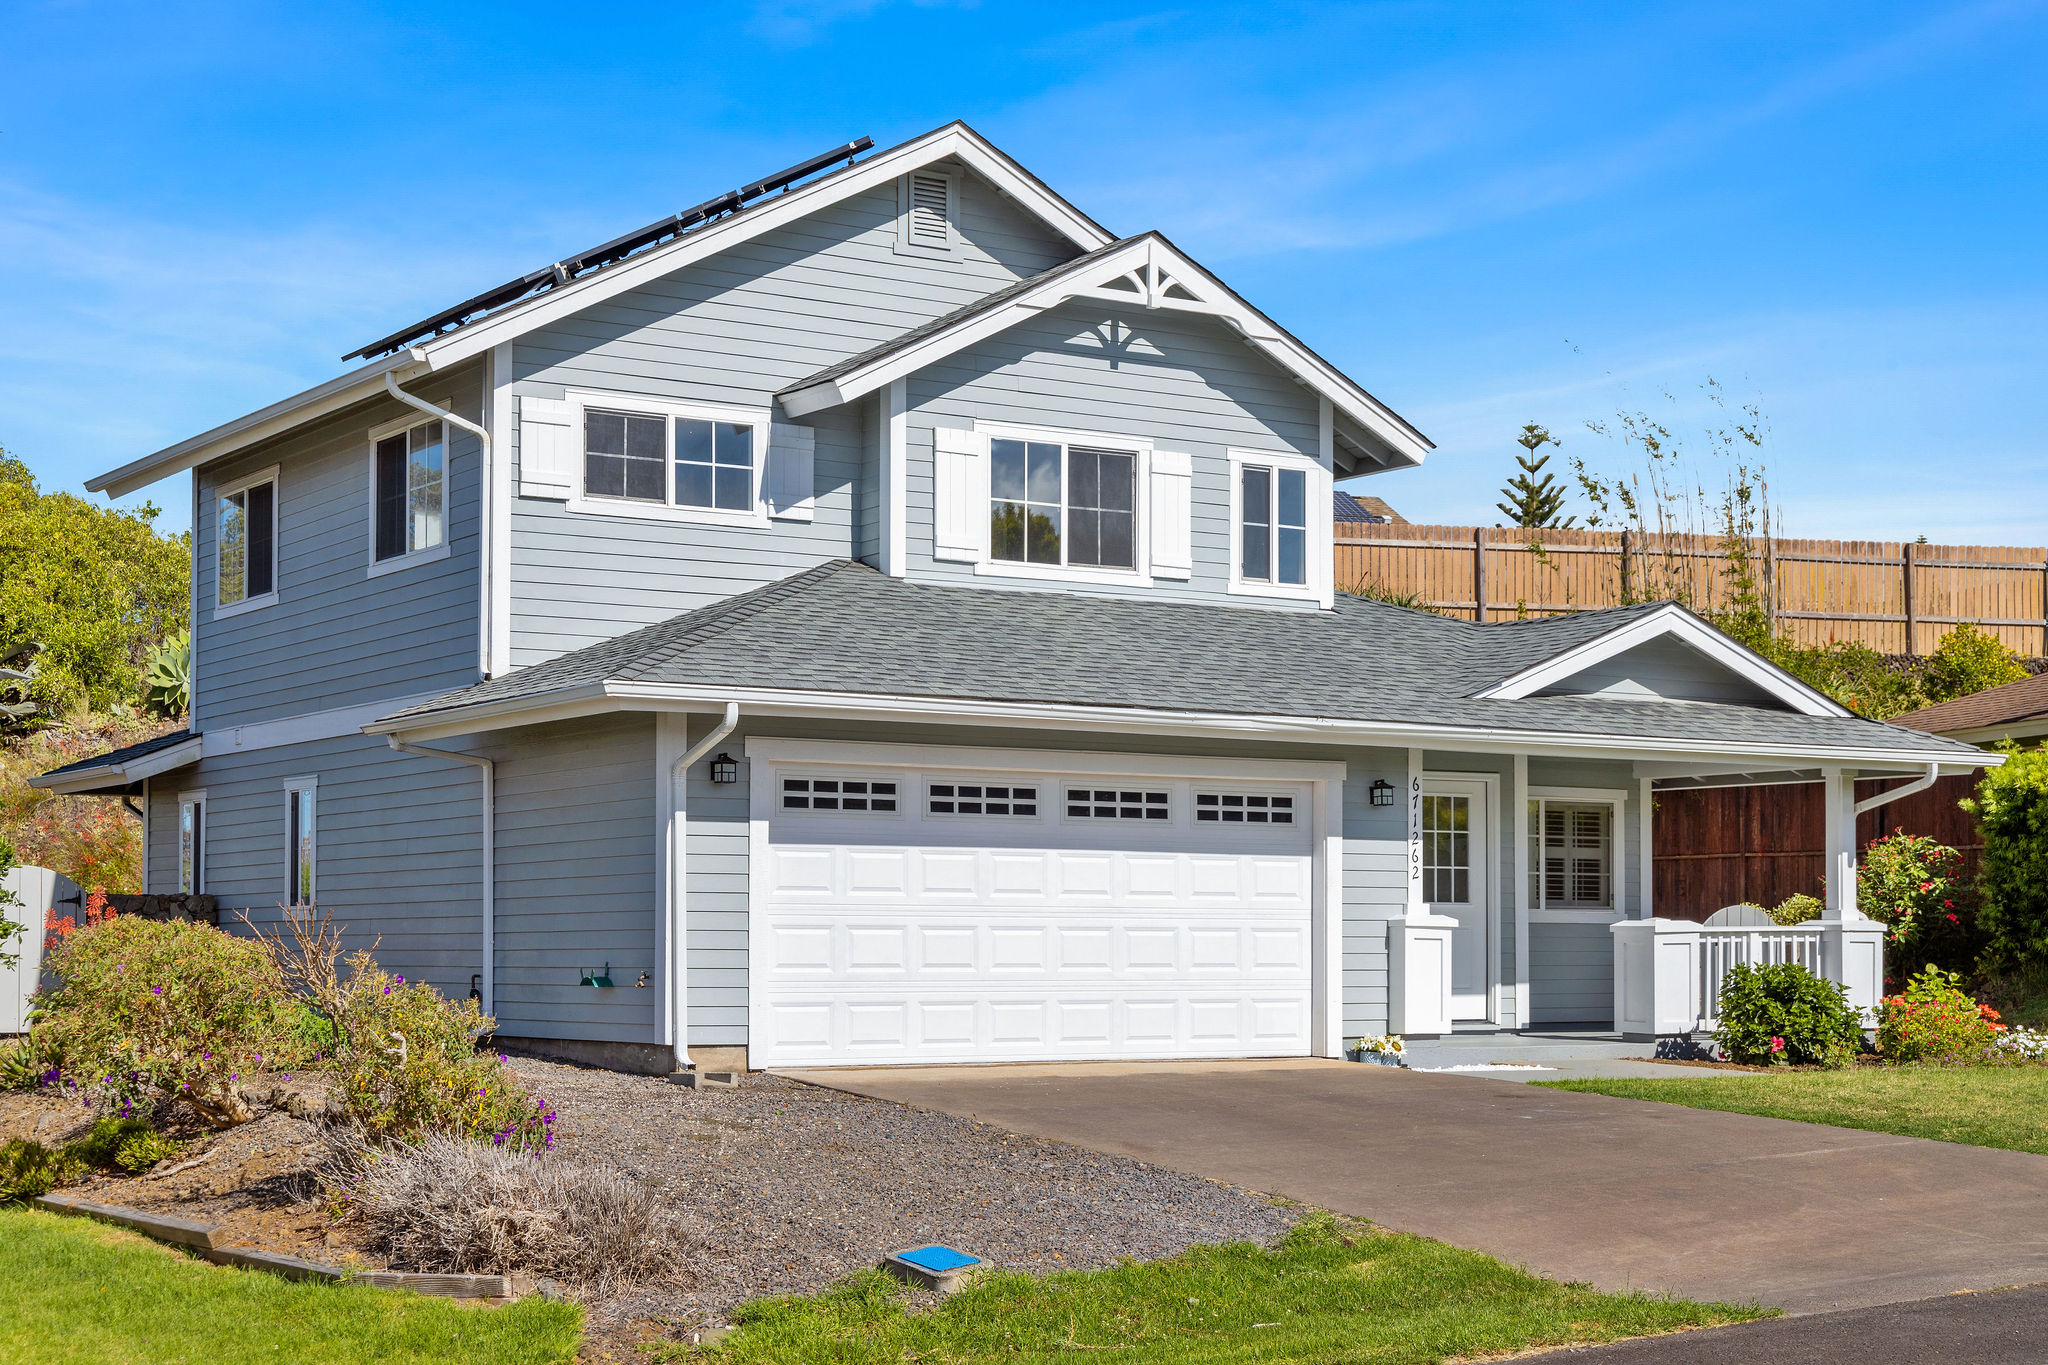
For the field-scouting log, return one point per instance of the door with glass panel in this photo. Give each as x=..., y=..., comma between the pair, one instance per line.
x=1456, y=877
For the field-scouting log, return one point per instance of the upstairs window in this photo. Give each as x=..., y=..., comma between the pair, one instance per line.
x=246, y=543
x=1056, y=504
x=411, y=494
x=671, y=461
x=1273, y=521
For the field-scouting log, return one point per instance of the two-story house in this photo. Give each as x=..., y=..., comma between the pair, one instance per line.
x=883, y=615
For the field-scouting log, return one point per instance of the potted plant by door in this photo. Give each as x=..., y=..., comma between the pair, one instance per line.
x=1379, y=1049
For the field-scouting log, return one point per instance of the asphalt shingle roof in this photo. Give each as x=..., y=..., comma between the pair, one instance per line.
x=843, y=627
x=2026, y=699
x=126, y=754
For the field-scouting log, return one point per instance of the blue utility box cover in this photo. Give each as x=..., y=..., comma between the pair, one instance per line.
x=937, y=1259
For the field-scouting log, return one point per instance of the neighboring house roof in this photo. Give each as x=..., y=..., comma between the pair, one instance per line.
x=477, y=336
x=1353, y=508
x=118, y=771
x=1147, y=271
x=844, y=630
x=2019, y=708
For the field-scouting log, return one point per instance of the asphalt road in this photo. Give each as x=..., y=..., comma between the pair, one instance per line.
x=2004, y=1327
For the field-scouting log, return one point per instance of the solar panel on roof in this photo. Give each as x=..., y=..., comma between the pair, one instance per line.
x=561, y=272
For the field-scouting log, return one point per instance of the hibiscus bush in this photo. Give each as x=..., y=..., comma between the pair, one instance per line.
x=159, y=1008
x=1914, y=885
x=1784, y=1014
x=1935, y=1020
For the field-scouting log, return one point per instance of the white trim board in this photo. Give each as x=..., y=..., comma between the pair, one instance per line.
x=1146, y=254
x=1679, y=624
x=975, y=758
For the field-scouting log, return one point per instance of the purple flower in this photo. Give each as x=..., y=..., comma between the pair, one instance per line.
x=399, y=979
x=156, y=990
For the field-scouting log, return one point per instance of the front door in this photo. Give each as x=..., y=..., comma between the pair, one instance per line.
x=1456, y=872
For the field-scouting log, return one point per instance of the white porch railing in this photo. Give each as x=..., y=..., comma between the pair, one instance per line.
x=1668, y=973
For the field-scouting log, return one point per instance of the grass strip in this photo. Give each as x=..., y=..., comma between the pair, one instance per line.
x=80, y=1293
x=1330, y=1291
x=1992, y=1106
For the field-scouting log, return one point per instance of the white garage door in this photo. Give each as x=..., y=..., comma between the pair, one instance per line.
x=909, y=915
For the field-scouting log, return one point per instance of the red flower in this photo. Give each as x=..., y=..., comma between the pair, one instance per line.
x=1953, y=920
x=1948, y=905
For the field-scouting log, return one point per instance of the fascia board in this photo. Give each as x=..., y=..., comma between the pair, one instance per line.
x=343, y=391
x=971, y=757
x=1688, y=629
x=2029, y=728
x=592, y=699
x=149, y=765
x=692, y=247
x=1258, y=331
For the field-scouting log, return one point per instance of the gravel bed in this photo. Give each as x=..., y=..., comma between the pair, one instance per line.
x=795, y=1187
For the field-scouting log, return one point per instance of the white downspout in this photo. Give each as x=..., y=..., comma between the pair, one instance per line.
x=489, y=770
x=678, y=888
x=1885, y=798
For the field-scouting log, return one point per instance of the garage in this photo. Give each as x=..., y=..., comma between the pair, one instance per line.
x=937, y=912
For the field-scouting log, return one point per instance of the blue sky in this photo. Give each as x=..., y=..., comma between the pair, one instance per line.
x=1487, y=213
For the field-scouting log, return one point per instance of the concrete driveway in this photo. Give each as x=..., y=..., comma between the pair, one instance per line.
x=1621, y=1193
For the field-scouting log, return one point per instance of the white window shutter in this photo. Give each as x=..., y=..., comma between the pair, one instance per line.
x=959, y=494
x=549, y=451
x=789, y=485
x=1172, y=515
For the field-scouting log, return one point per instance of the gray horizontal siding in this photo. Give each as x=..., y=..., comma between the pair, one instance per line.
x=1571, y=974
x=337, y=635
x=1663, y=669
x=734, y=329
x=1186, y=382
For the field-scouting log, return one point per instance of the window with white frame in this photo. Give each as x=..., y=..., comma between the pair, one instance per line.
x=839, y=794
x=981, y=798
x=301, y=845
x=1121, y=803
x=192, y=842
x=1055, y=503
x=1273, y=522
x=1571, y=855
x=707, y=464
x=409, y=499
x=245, y=542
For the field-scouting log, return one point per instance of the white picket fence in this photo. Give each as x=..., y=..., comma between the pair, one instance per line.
x=36, y=890
x=1668, y=973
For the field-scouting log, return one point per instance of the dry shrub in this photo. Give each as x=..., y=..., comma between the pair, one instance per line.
x=451, y=1206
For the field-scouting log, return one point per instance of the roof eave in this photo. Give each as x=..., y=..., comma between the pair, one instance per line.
x=112, y=779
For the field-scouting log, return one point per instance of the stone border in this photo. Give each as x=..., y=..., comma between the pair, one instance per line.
x=206, y=1239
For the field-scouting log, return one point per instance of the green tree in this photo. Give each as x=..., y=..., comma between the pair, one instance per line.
x=1533, y=501
x=98, y=587
x=2011, y=806
x=1968, y=660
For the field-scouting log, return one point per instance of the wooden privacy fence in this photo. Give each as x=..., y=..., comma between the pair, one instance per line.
x=1898, y=598
x=1717, y=846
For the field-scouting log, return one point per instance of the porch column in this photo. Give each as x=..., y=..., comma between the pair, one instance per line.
x=1851, y=944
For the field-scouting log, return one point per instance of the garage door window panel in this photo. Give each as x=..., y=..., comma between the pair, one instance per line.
x=1243, y=808
x=1009, y=800
x=839, y=794
x=1118, y=803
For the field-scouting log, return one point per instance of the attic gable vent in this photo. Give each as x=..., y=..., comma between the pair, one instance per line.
x=926, y=225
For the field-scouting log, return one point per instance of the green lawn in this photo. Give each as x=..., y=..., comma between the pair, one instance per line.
x=1986, y=1106
x=77, y=1291
x=1331, y=1292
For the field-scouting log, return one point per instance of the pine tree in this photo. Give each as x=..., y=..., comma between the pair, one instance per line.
x=1533, y=501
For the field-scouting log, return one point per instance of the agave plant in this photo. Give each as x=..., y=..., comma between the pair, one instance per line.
x=167, y=676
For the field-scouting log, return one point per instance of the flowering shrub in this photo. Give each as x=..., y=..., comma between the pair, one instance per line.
x=167, y=1008
x=1935, y=1020
x=2021, y=1045
x=1771, y=1016
x=1913, y=885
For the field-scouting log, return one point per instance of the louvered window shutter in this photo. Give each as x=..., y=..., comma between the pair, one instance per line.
x=790, y=485
x=1172, y=515
x=960, y=508
x=549, y=448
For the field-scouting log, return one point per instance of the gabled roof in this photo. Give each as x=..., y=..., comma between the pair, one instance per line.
x=842, y=635
x=1145, y=271
x=2013, y=705
x=122, y=769
x=955, y=140
x=1365, y=509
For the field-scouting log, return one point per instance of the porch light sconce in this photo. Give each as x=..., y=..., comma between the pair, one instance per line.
x=594, y=977
x=1382, y=792
x=723, y=769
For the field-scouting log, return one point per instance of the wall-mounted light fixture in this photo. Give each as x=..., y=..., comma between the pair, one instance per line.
x=723, y=769
x=1382, y=792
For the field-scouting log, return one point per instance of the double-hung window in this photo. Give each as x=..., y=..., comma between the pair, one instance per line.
x=192, y=842
x=300, y=843
x=245, y=542
x=409, y=497
x=1273, y=512
x=672, y=460
x=1058, y=504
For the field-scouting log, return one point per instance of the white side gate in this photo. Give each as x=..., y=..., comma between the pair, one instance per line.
x=36, y=891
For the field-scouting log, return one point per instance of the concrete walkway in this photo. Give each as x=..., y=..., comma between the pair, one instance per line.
x=1621, y=1193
